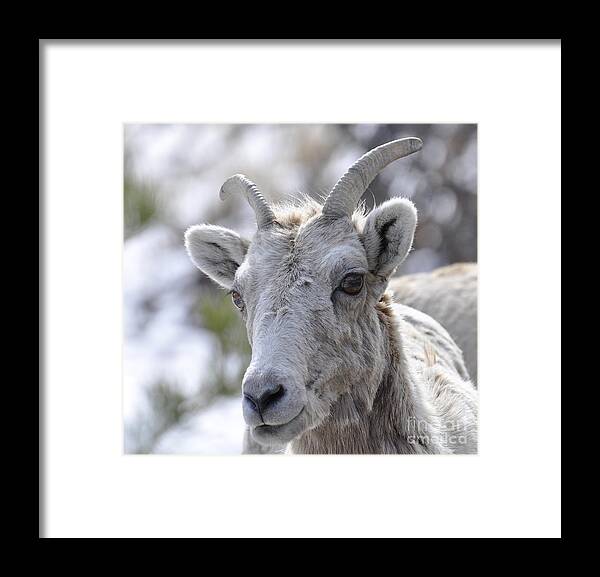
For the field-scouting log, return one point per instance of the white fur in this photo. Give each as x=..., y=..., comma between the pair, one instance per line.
x=449, y=295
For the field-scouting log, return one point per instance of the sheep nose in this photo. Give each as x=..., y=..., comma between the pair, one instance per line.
x=268, y=395
x=263, y=398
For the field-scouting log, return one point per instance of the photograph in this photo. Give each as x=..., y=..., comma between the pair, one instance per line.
x=300, y=289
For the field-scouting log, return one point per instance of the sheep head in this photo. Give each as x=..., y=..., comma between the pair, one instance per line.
x=309, y=287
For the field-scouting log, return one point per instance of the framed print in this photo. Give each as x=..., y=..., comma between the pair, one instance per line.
x=286, y=299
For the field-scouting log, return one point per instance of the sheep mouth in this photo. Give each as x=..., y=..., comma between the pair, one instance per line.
x=280, y=434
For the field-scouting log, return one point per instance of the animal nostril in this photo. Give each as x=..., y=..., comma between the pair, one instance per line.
x=270, y=396
x=251, y=400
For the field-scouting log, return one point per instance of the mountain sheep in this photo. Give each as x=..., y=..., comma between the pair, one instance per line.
x=337, y=366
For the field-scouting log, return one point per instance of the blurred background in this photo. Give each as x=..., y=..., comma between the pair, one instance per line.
x=185, y=348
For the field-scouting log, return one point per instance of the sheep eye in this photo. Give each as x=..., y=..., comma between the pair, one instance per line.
x=352, y=283
x=236, y=297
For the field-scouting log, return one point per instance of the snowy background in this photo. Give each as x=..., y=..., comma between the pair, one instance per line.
x=185, y=349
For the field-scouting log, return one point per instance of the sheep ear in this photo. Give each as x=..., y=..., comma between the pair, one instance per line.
x=388, y=235
x=216, y=251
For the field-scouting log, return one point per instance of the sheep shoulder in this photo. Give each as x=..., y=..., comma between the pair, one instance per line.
x=449, y=295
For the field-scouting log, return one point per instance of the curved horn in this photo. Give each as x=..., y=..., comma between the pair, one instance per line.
x=344, y=196
x=239, y=184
